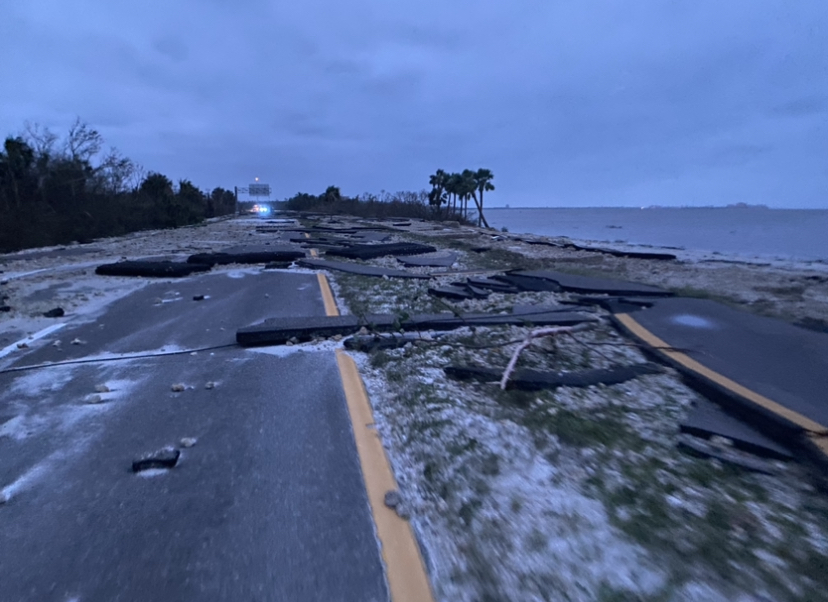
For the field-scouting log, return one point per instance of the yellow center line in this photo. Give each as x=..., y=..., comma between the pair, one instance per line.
x=327, y=295
x=404, y=565
x=645, y=335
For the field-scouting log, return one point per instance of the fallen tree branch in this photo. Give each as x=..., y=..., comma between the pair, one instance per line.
x=541, y=332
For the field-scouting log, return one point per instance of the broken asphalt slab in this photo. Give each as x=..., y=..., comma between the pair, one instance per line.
x=277, y=331
x=591, y=284
x=151, y=269
x=247, y=255
x=535, y=380
x=380, y=250
x=624, y=253
x=706, y=419
x=771, y=374
x=437, y=261
x=354, y=268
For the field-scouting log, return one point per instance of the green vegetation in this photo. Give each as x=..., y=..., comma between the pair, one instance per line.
x=385, y=205
x=55, y=192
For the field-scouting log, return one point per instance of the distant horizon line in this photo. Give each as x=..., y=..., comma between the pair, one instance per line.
x=732, y=206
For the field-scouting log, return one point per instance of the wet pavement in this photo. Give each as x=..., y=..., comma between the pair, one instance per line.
x=268, y=504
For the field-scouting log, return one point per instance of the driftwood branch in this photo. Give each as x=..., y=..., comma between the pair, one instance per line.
x=535, y=334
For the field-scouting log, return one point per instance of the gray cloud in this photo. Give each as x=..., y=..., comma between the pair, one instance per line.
x=568, y=102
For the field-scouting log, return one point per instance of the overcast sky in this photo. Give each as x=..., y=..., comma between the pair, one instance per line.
x=568, y=102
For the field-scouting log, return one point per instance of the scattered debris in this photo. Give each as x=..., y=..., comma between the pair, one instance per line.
x=5, y=308
x=707, y=419
x=178, y=387
x=589, y=284
x=440, y=261
x=701, y=448
x=534, y=380
x=188, y=441
x=534, y=334
x=166, y=457
x=277, y=331
x=102, y=389
x=210, y=385
x=94, y=398
x=22, y=345
x=198, y=297
x=392, y=498
x=54, y=313
x=56, y=344
x=77, y=341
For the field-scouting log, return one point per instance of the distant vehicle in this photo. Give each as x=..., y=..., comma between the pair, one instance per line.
x=260, y=210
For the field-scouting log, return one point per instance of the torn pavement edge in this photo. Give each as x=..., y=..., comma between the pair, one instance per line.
x=810, y=448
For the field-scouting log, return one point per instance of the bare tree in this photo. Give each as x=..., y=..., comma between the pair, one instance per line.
x=83, y=142
x=40, y=138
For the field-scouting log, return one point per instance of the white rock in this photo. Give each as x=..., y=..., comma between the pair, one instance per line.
x=102, y=389
x=210, y=385
x=178, y=387
x=188, y=441
x=94, y=398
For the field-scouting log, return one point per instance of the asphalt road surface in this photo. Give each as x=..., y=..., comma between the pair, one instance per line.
x=269, y=504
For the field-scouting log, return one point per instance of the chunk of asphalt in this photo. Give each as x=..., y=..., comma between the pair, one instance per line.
x=525, y=284
x=622, y=253
x=371, y=236
x=275, y=254
x=166, y=457
x=278, y=331
x=615, y=304
x=535, y=380
x=278, y=265
x=706, y=419
x=590, y=284
x=496, y=286
x=481, y=249
x=451, y=291
x=392, y=499
x=369, y=344
x=381, y=250
x=436, y=261
x=703, y=449
x=151, y=269
x=354, y=268
x=198, y=297
x=5, y=308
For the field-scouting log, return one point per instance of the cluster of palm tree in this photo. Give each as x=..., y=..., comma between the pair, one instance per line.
x=455, y=189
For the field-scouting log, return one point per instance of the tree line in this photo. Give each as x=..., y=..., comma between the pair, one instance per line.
x=448, y=199
x=56, y=191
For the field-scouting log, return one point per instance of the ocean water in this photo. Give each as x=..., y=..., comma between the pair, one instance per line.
x=800, y=234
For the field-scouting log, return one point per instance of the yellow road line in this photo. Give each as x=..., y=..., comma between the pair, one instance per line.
x=327, y=295
x=314, y=253
x=802, y=421
x=404, y=566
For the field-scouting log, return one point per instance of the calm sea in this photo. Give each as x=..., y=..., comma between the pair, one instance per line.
x=751, y=232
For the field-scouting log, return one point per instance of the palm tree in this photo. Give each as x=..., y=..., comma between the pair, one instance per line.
x=454, y=188
x=438, y=182
x=483, y=180
x=468, y=187
x=332, y=194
